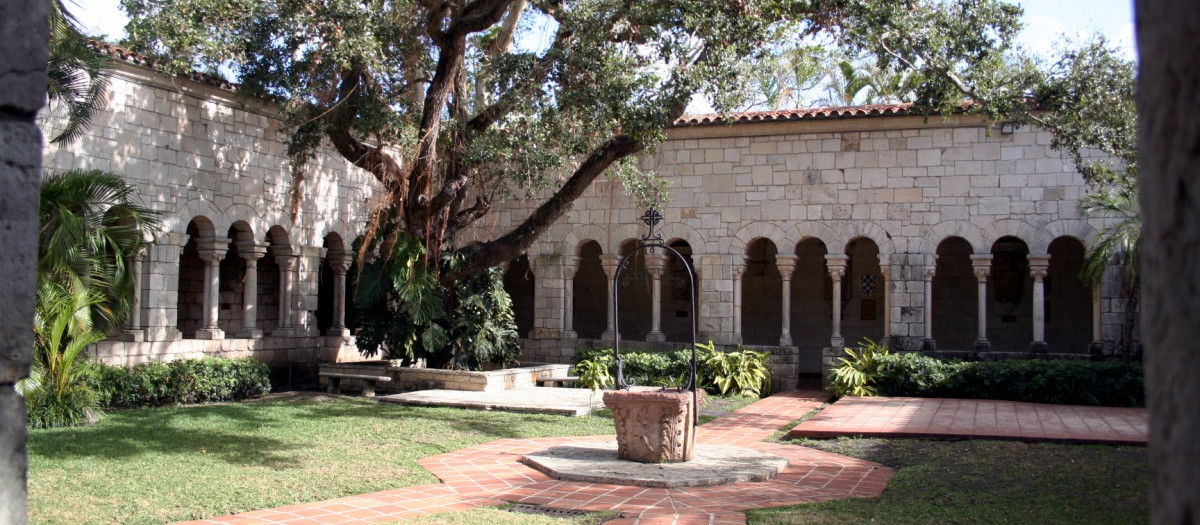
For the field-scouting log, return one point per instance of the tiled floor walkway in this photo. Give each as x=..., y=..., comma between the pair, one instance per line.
x=968, y=418
x=491, y=474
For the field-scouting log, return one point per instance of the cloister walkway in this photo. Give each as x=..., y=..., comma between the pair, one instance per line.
x=491, y=474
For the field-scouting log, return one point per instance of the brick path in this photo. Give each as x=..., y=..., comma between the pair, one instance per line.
x=491, y=474
x=963, y=418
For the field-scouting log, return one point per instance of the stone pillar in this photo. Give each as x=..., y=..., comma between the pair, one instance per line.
x=133, y=331
x=161, y=315
x=655, y=266
x=885, y=270
x=982, y=264
x=251, y=252
x=570, y=266
x=738, y=271
x=786, y=264
x=1039, y=264
x=211, y=252
x=287, y=263
x=340, y=263
x=609, y=264
x=928, y=344
x=836, y=265
x=25, y=34
x=1096, y=347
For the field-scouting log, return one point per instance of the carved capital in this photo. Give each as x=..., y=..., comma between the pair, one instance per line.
x=212, y=251
x=836, y=265
x=286, y=262
x=250, y=251
x=982, y=266
x=340, y=262
x=570, y=266
x=786, y=264
x=1039, y=265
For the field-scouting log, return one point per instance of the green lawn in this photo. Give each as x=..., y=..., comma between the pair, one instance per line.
x=168, y=464
x=986, y=482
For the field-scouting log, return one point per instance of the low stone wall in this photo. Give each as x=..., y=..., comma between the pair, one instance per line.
x=407, y=379
x=270, y=350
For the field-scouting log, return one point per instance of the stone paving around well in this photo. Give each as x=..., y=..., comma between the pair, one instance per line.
x=974, y=418
x=492, y=474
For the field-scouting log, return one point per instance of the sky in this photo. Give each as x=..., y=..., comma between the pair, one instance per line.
x=1044, y=20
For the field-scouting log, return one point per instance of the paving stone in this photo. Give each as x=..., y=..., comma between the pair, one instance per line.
x=712, y=465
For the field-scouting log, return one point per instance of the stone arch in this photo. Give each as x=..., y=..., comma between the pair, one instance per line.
x=809, y=230
x=576, y=238
x=246, y=214
x=206, y=215
x=1077, y=229
x=740, y=241
x=678, y=231
x=864, y=230
x=192, y=285
x=622, y=235
x=520, y=283
x=762, y=286
x=590, y=289
x=1068, y=306
x=966, y=231
x=1007, y=228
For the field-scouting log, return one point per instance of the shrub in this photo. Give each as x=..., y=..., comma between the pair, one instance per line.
x=184, y=381
x=857, y=374
x=740, y=372
x=594, y=373
x=1035, y=381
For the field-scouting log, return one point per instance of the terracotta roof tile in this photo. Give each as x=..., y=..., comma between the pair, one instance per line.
x=131, y=57
x=786, y=115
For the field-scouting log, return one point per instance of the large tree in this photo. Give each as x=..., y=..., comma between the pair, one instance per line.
x=430, y=97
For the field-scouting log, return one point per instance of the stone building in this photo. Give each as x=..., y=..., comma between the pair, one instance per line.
x=932, y=234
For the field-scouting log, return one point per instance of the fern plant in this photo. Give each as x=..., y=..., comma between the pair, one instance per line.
x=740, y=372
x=856, y=375
x=594, y=373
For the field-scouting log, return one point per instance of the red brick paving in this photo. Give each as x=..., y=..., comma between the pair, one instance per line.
x=491, y=474
x=963, y=418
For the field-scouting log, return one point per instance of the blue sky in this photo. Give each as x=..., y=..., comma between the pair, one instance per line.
x=1045, y=20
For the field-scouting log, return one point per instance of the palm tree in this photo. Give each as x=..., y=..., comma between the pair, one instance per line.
x=1117, y=244
x=75, y=78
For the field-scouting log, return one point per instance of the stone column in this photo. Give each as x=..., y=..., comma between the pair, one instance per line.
x=340, y=263
x=836, y=265
x=570, y=266
x=250, y=252
x=287, y=263
x=1096, y=347
x=655, y=266
x=23, y=67
x=786, y=264
x=1039, y=264
x=211, y=252
x=133, y=329
x=982, y=264
x=738, y=271
x=885, y=270
x=609, y=264
x=928, y=344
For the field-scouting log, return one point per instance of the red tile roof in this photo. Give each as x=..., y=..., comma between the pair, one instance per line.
x=786, y=115
x=131, y=57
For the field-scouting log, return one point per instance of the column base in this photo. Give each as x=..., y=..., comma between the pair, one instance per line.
x=656, y=337
x=252, y=333
x=131, y=336
x=981, y=346
x=785, y=340
x=1096, y=350
x=735, y=339
x=1039, y=348
x=837, y=343
x=210, y=333
x=569, y=334
x=338, y=332
x=608, y=335
x=928, y=345
x=284, y=332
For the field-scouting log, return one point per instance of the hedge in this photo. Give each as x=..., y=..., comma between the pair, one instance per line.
x=186, y=381
x=1064, y=382
x=649, y=368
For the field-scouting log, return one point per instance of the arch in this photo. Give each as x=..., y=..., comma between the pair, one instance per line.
x=809, y=230
x=590, y=292
x=1068, y=307
x=863, y=294
x=679, y=293
x=942, y=231
x=1009, y=296
x=192, y=210
x=626, y=233
x=341, y=229
x=519, y=282
x=1007, y=228
x=762, y=286
x=279, y=239
x=865, y=230
x=573, y=242
x=244, y=213
x=1077, y=229
x=678, y=231
x=740, y=241
x=633, y=292
x=955, y=299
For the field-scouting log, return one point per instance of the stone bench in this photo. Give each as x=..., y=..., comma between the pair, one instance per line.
x=556, y=380
x=335, y=380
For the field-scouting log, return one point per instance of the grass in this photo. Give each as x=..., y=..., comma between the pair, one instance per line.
x=986, y=482
x=168, y=464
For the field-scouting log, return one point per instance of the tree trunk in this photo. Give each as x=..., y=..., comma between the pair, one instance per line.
x=1131, y=315
x=1169, y=149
